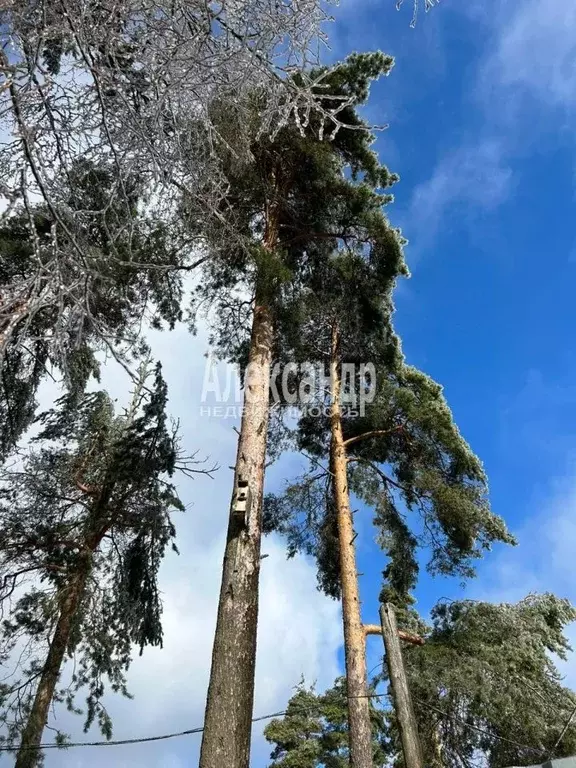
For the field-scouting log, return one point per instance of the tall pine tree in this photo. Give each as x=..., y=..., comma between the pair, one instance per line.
x=399, y=452
x=283, y=216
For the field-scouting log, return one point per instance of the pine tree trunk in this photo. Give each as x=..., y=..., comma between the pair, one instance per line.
x=354, y=638
x=228, y=719
x=28, y=753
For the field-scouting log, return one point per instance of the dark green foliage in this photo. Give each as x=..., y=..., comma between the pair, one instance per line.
x=52, y=54
x=96, y=493
x=417, y=473
x=19, y=381
x=75, y=282
x=287, y=209
x=485, y=671
x=424, y=465
x=314, y=731
x=400, y=545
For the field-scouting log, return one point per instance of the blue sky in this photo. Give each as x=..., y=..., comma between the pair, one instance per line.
x=482, y=112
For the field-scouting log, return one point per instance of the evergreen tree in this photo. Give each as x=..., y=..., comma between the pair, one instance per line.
x=283, y=216
x=484, y=685
x=401, y=451
x=314, y=730
x=76, y=282
x=85, y=521
x=485, y=681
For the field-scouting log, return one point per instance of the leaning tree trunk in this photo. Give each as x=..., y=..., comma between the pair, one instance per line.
x=354, y=636
x=228, y=719
x=29, y=752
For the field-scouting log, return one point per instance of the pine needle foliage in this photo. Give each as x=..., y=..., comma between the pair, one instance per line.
x=86, y=518
x=307, y=190
x=314, y=731
x=407, y=460
x=485, y=685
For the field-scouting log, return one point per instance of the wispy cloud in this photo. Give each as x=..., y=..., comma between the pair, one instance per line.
x=534, y=53
x=541, y=418
x=473, y=177
x=525, y=82
x=542, y=561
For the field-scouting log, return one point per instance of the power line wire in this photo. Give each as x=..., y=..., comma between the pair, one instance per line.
x=448, y=716
x=191, y=731
x=569, y=721
x=119, y=742
x=163, y=737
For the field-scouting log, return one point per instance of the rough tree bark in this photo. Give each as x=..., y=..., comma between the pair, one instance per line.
x=29, y=753
x=354, y=636
x=228, y=718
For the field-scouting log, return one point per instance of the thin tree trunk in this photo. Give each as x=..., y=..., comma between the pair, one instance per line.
x=354, y=636
x=97, y=525
x=228, y=719
x=29, y=753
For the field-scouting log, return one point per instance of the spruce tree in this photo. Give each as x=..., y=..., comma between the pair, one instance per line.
x=401, y=451
x=484, y=684
x=86, y=520
x=282, y=218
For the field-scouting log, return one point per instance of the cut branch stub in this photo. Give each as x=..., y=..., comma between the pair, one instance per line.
x=408, y=637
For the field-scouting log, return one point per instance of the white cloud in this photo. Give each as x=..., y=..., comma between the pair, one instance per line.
x=472, y=178
x=299, y=634
x=299, y=629
x=536, y=418
x=535, y=53
x=526, y=83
